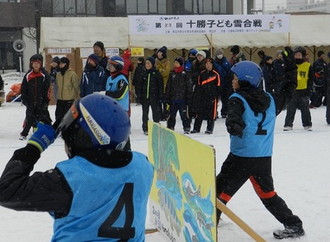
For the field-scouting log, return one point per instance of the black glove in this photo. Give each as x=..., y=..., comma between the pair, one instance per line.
x=235, y=129
x=290, y=67
x=289, y=60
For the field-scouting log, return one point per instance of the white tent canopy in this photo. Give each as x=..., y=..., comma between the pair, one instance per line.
x=305, y=30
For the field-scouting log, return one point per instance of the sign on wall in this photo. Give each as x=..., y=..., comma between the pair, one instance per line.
x=135, y=51
x=182, y=197
x=59, y=50
x=109, y=52
x=209, y=24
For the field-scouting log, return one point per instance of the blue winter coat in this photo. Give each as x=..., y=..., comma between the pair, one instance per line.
x=93, y=80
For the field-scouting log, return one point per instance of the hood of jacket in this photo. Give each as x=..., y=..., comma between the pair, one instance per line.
x=257, y=99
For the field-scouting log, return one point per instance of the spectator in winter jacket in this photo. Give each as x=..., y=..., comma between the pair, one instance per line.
x=262, y=57
x=2, y=93
x=222, y=66
x=320, y=83
x=236, y=55
x=163, y=65
x=54, y=68
x=269, y=74
x=206, y=94
x=198, y=66
x=300, y=99
x=250, y=123
x=128, y=65
x=279, y=69
x=151, y=93
x=327, y=75
x=189, y=62
x=68, y=89
x=99, y=50
x=137, y=79
x=93, y=78
x=178, y=94
x=1, y=83
x=35, y=90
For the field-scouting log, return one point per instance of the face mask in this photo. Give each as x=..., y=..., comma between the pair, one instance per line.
x=219, y=57
x=299, y=61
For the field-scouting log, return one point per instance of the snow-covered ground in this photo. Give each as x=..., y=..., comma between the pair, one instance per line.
x=301, y=165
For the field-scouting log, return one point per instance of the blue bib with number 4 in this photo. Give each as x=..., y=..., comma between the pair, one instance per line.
x=108, y=204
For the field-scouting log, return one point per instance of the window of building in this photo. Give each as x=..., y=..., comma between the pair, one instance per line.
x=202, y=6
x=142, y=7
x=74, y=8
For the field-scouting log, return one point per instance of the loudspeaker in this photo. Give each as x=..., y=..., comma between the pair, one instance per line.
x=19, y=45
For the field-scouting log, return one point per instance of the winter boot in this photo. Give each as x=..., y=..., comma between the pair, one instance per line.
x=22, y=137
x=289, y=232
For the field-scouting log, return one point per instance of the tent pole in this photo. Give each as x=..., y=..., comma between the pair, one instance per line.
x=211, y=45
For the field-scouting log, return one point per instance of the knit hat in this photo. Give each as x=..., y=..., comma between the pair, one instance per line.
x=218, y=51
x=65, y=60
x=202, y=53
x=95, y=58
x=180, y=60
x=99, y=44
x=56, y=59
x=207, y=52
x=267, y=58
x=209, y=60
x=141, y=59
x=36, y=58
x=279, y=52
x=162, y=49
x=234, y=49
x=152, y=60
x=319, y=53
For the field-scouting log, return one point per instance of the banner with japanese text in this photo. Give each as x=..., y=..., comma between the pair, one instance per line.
x=182, y=197
x=208, y=24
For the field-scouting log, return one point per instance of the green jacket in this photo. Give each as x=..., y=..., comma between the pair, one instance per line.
x=68, y=86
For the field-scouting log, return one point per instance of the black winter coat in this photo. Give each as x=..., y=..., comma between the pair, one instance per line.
x=1, y=83
x=197, y=68
x=35, y=88
x=151, y=85
x=206, y=93
x=137, y=75
x=178, y=87
x=279, y=69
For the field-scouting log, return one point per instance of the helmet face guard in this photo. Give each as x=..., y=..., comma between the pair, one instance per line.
x=62, y=125
x=98, y=118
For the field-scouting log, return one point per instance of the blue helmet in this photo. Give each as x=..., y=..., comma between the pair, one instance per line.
x=248, y=71
x=95, y=121
x=117, y=62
